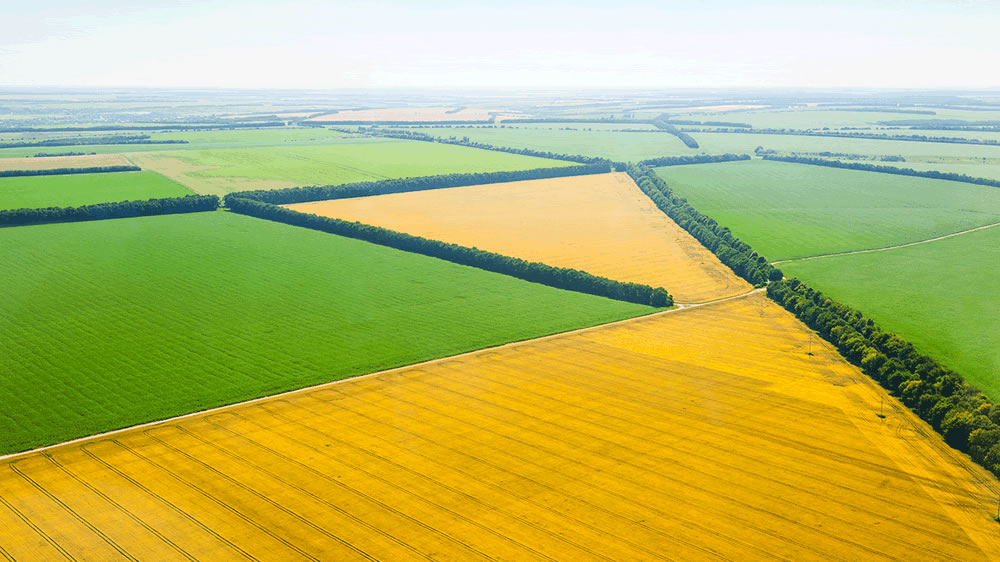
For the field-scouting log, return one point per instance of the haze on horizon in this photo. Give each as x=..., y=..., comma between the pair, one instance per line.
x=501, y=45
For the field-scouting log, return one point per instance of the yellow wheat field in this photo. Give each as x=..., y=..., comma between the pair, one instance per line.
x=705, y=433
x=52, y=162
x=602, y=224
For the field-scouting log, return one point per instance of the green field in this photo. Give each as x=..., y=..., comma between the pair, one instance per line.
x=111, y=323
x=802, y=118
x=603, y=143
x=221, y=171
x=73, y=190
x=943, y=296
x=796, y=210
x=717, y=143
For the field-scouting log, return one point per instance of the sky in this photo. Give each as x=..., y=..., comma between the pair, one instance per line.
x=513, y=44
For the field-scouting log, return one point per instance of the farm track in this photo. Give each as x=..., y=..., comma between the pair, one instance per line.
x=702, y=432
x=869, y=251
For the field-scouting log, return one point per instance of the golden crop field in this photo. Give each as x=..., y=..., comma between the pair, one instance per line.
x=602, y=224
x=52, y=162
x=701, y=433
x=406, y=114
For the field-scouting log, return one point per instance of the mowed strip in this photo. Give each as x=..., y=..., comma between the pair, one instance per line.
x=602, y=224
x=703, y=433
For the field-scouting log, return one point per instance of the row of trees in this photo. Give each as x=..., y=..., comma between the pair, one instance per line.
x=712, y=123
x=50, y=154
x=662, y=123
x=383, y=187
x=933, y=174
x=65, y=171
x=966, y=418
x=118, y=139
x=568, y=120
x=863, y=135
x=732, y=251
x=464, y=141
x=121, y=209
x=160, y=127
x=700, y=159
x=562, y=278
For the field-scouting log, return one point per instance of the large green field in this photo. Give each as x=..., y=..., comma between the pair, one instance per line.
x=74, y=190
x=111, y=323
x=716, y=143
x=795, y=210
x=943, y=296
x=224, y=170
x=604, y=143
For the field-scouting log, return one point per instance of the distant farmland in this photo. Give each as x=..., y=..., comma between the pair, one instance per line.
x=123, y=321
x=717, y=432
x=602, y=224
x=407, y=114
x=85, y=189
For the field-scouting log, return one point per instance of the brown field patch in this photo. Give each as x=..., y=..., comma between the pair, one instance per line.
x=407, y=114
x=53, y=162
x=602, y=224
x=692, y=434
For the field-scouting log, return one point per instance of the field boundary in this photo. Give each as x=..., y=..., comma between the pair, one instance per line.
x=894, y=170
x=868, y=251
x=676, y=309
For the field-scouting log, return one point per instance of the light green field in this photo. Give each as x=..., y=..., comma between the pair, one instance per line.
x=112, y=323
x=74, y=190
x=802, y=118
x=795, y=210
x=606, y=144
x=717, y=143
x=225, y=170
x=943, y=296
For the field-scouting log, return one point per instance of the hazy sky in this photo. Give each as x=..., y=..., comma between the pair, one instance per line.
x=509, y=44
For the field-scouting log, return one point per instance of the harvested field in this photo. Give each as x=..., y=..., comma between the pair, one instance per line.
x=407, y=114
x=601, y=224
x=53, y=162
x=695, y=434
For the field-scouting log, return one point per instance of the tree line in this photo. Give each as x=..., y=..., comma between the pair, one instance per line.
x=118, y=139
x=400, y=185
x=700, y=159
x=464, y=141
x=932, y=174
x=51, y=154
x=732, y=251
x=120, y=209
x=968, y=420
x=861, y=135
x=159, y=127
x=662, y=123
x=558, y=277
x=66, y=171
x=712, y=123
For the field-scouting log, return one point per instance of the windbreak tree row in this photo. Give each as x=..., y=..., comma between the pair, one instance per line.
x=863, y=135
x=967, y=419
x=700, y=159
x=732, y=251
x=78, y=141
x=662, y=123
x=401, y=185
x=67, y=171
x=121, y=209
x=558, y=277
x=932, y=174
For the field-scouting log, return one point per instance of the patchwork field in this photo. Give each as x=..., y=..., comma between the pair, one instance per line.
x=225, y=170
x=696, y=434
x=407, y=114
x=943, y=296
x=52, y=162
x=73, y=190
x=119, y=322
x=794, y=210
x=602, y=224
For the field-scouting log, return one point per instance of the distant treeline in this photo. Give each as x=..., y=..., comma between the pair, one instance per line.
x=932, y=174
x=700, y=159
x=944, y=124
x=966, y=418
x=464, y=141
x=162, y=126
x=67, y=171
x=711, y=123
x=732, y=251
x=860, y=135
x=52, y=154
x=401, y=185
x=561, y=278
x=121, y=209
x=569, y=120
x=455, y=110
x=370, y=122
x=883, y=110
x=134, y=139
x=661, y=122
